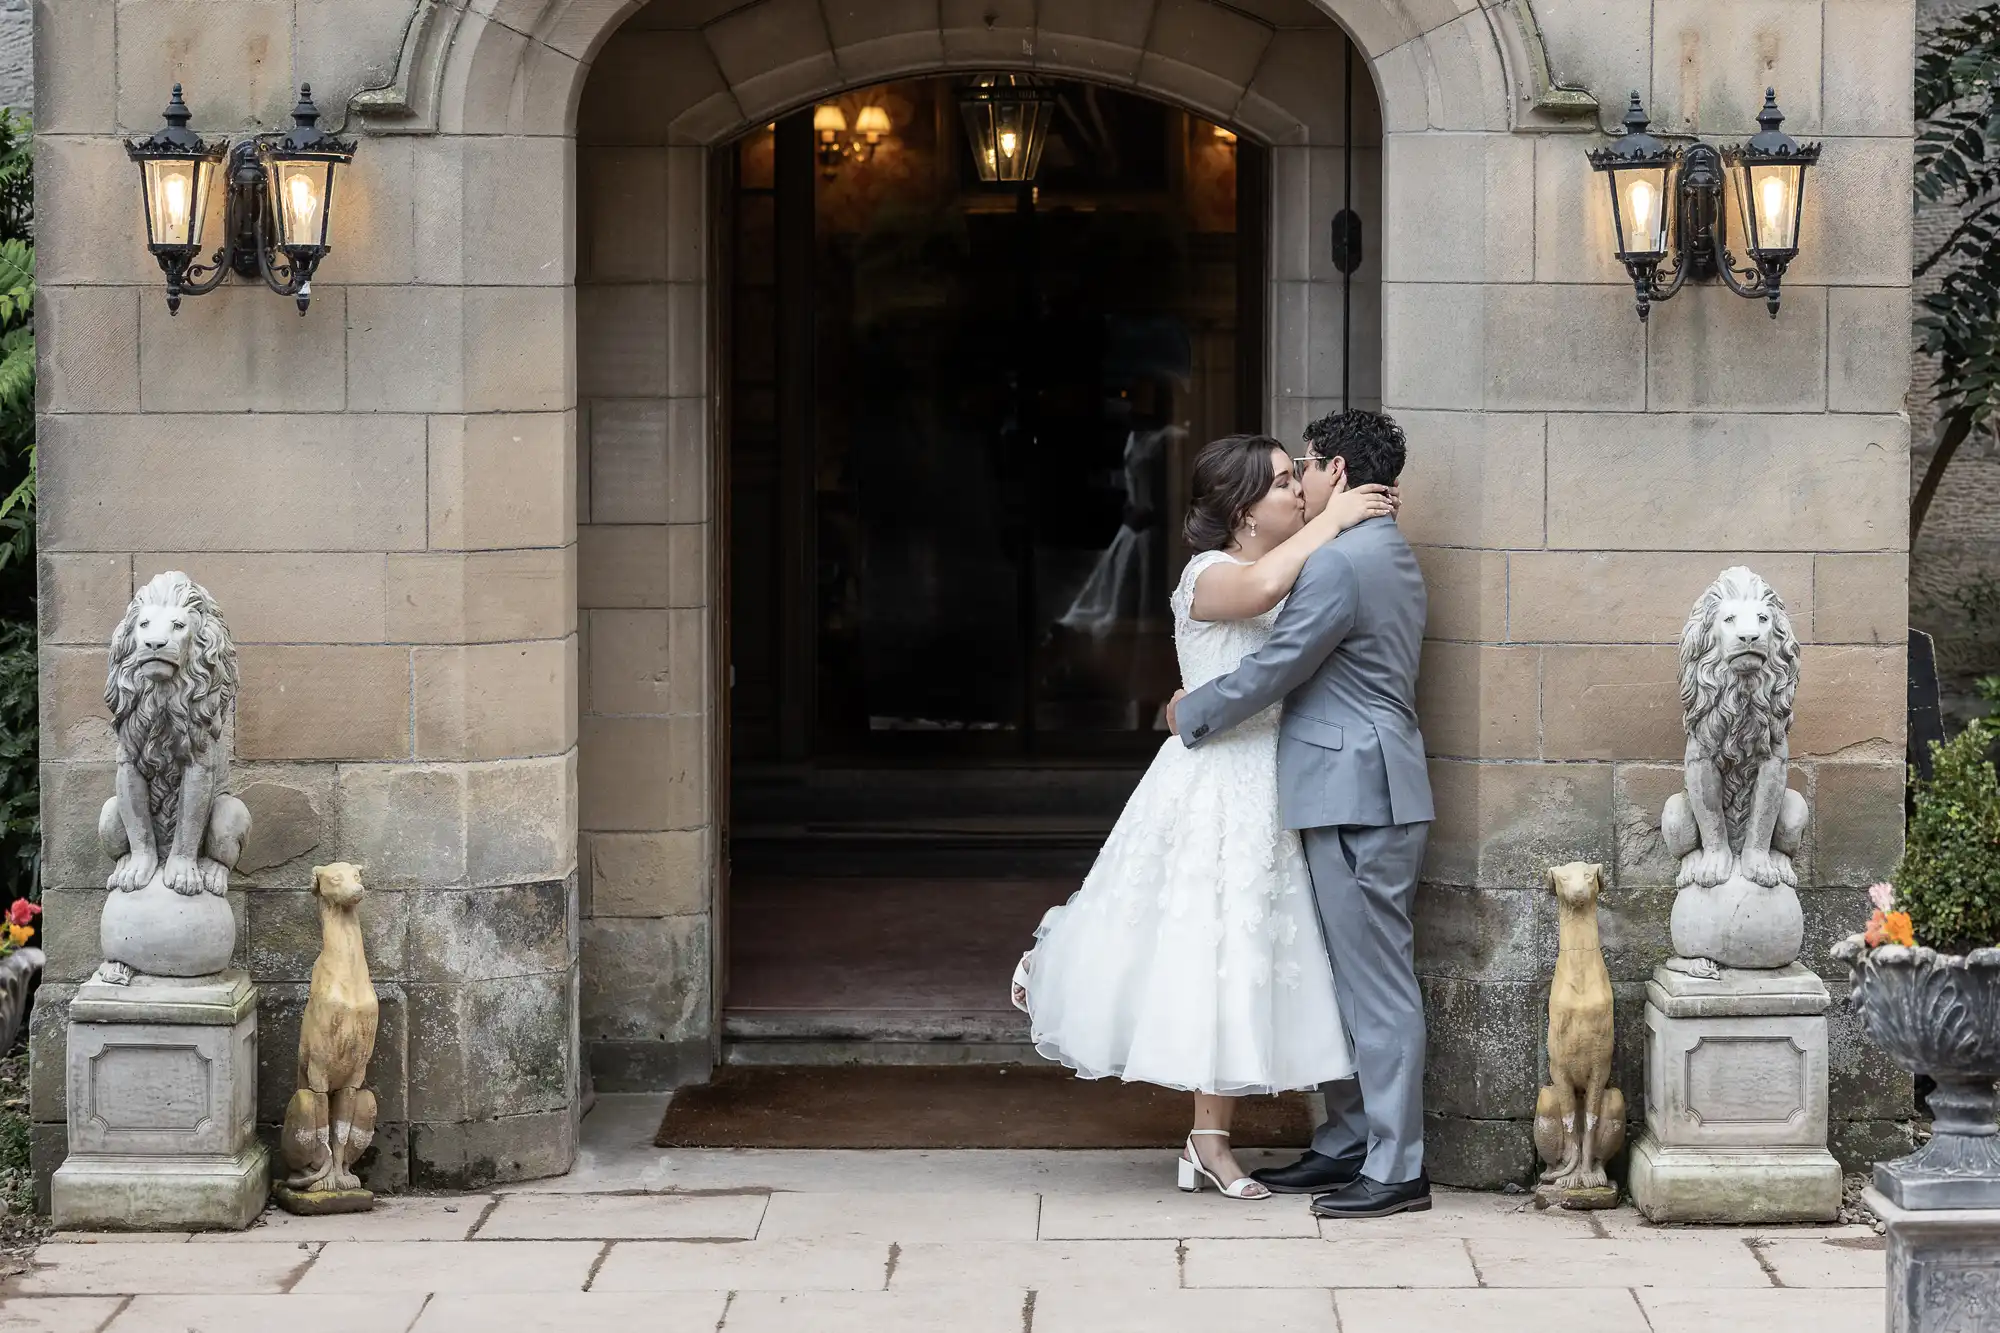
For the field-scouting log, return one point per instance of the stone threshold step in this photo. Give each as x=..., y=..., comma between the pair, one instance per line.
x=874, y=1026
x=1035, y=831
x=824, y=1053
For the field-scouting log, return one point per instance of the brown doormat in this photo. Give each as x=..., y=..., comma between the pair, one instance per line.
x=953, y=1106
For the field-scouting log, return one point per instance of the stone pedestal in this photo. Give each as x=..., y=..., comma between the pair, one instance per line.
x=1736, y=1100
x=1944, y=1267
x=162, y=1094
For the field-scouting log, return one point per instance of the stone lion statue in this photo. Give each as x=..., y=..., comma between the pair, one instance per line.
x=1737, y=820
x=171, y=687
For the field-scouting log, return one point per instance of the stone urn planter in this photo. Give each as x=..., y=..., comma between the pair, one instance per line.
x=19, y=971
x=1937, y=1014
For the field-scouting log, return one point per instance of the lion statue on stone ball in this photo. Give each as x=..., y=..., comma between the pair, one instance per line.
x=1739, y=675
x=171, y=688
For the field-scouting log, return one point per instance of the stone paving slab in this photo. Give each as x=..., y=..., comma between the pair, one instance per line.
x=57, y=1314
x=943, y=1215
x=1169, y=1214
x=1679, y=1259
x=1436, y=1261
x=126, y=1270
x=1768, y=1311
x=1629, y=1221
x=625, y=1216
x=268, y=1314
x=1038, y=1264
x=944, y=1242
x=760, y=1265
x=570, y=1312
x=450, y=1265
x=1464, y=1213
x=392, y=1218
x=959, y=1311
x=1093, y=1310
x=1605, y=1310
x=1859, y=1262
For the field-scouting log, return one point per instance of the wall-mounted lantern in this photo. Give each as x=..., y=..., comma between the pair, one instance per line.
x=277, y=206
x=1668, y=204
x=1007, y=118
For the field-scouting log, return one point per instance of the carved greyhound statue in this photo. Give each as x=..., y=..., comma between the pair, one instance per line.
x=1579, y=1117
x=331, y=1118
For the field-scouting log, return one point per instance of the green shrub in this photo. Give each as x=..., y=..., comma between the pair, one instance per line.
x=20, y=794
x=1949, y=881
x=20, y=802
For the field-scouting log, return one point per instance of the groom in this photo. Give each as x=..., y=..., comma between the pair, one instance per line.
x=1352, y=781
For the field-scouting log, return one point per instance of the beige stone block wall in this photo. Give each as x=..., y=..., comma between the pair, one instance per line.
x=1577, y=478
x=381, y=495
x=645, y=589
x=461, y=514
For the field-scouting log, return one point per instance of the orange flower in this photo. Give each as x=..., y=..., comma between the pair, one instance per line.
x=1877, y=933
x=18, y=934
x=1896, y=925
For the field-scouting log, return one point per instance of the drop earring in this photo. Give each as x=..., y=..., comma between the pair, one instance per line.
x=1251, y=524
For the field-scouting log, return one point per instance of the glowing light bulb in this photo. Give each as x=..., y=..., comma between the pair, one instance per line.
x=1771, y=206
x=1643, y=205
x=303, y=204
x=1008, y=143
x=175, y=199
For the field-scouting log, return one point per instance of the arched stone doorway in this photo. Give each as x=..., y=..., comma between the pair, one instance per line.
x=654, y=835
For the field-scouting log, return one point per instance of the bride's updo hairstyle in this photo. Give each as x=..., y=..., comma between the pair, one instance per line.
x=1230, y=475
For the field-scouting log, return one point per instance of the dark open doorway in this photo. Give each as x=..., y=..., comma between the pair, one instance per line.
x=958, y=418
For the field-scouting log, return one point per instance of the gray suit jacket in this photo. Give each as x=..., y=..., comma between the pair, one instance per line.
x=1343, y=656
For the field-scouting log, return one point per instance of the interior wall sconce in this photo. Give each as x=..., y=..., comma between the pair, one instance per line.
x=1672, y=204
x=830, y=129
x=1226, y=137
x=871, y=126
x=836, y=145
x=277, y=202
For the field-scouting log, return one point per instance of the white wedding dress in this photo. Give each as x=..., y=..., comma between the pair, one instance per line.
x=1192, y=956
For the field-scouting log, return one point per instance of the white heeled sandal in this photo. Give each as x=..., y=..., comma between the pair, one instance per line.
x=1019, y=995
x=1192, y=1172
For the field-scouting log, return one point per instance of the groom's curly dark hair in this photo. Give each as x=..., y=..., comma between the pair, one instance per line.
x=1371, y=442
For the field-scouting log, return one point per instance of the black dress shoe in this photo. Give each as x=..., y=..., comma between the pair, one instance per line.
x=1311, y=1174
x=1372, y=1198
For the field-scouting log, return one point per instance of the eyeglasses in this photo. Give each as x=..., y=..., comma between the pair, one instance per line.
x=1300, y=466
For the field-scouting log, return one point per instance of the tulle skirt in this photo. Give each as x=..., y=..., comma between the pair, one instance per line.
x=1192, y=956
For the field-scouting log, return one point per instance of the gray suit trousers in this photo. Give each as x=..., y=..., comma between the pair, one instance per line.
x=1364, y=884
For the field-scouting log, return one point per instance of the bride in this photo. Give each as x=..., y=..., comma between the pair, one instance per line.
x=1192, y=957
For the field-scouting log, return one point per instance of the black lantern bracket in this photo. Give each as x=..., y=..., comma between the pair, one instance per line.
x=1693, y=182
x=262, y=238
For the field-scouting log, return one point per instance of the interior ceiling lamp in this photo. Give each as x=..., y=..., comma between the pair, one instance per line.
x=277, y=205
x=835, y=144
x=1668, y=204
x=1007, y=118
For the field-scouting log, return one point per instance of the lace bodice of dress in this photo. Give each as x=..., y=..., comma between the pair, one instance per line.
x=1211, y=648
